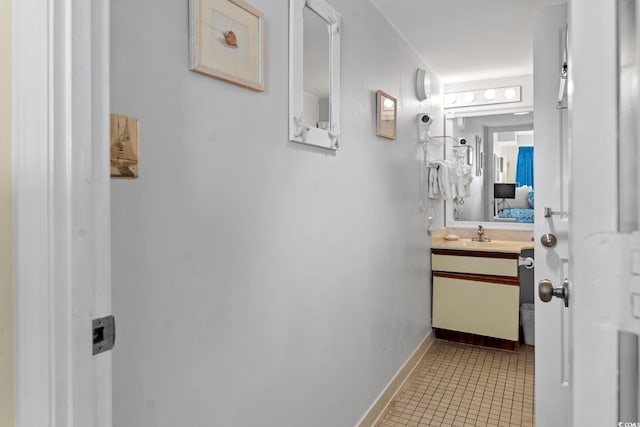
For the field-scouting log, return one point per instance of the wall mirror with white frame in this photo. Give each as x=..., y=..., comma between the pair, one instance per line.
x=501, y=194
x=314, y=73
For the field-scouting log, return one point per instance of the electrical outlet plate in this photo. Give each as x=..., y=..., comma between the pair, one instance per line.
x=124, y=146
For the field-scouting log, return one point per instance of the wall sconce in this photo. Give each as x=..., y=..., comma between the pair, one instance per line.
x=423, y=85
x=470, y=98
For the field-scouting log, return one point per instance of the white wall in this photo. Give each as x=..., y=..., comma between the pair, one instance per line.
x=511, y=158
x=256, y=281
x=524, y=139
x=6, y=222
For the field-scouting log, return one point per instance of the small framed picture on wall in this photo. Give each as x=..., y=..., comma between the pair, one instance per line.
x=387, y=110
x=226, y=41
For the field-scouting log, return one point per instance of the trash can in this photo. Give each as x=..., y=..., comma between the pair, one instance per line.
x=527, y=320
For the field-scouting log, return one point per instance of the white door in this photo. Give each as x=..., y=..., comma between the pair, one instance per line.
x=552, y=328
x=61, y=199
x=604, y=212
x=587, y=354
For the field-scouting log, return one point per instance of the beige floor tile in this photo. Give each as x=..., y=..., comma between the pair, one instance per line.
x=460, y=385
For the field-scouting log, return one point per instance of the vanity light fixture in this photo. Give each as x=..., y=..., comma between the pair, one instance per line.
x=488, y=96
x=509, y=93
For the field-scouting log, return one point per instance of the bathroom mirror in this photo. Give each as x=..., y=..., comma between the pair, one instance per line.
x=314, y=73
x=386, y=115
x=504, y=155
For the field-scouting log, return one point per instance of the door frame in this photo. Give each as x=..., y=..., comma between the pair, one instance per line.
x=61, y=210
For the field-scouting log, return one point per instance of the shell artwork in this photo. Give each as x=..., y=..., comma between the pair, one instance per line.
x=230, y=38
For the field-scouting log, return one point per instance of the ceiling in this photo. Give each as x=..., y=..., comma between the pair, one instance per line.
x=465, y=40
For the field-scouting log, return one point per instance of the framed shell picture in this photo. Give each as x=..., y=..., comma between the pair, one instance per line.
x=226, y=41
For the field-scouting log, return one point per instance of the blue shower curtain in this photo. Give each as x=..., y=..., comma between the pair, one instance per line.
x=524, y=168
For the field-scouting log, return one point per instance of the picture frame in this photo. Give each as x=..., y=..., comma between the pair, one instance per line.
x=124, y=146
x=226, y=41
x=387, y=113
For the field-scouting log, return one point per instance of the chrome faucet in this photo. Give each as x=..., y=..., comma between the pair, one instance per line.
x=481, y=237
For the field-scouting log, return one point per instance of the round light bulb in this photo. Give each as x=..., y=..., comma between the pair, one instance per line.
x=451, y=98
x=510, y=93
x=489, y=94
x=388, y=103
x=469, y=97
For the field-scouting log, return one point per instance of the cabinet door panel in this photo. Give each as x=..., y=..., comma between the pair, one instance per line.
x=480, y=308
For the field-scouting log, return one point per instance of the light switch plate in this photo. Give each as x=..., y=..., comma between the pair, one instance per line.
x=124, y=146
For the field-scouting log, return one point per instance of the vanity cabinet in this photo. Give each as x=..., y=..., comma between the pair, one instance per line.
x=476, y=296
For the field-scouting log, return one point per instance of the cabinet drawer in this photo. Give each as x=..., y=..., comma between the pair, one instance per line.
x=481, y=308
x=475, y=265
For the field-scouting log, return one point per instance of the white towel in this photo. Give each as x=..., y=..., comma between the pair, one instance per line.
x=432, y=182
x=466, y=185
x=447, y=179
x=453, y=178
x=444, y=179
x=465, y=178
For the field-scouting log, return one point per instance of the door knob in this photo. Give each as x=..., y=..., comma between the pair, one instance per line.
x=549, y=240
x=546, y=291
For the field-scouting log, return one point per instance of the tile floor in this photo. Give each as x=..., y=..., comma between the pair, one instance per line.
x=461, y=385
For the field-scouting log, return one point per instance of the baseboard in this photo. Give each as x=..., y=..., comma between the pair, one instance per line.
x=374, y=412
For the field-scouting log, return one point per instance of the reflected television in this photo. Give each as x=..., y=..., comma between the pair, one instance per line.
x=504, y=191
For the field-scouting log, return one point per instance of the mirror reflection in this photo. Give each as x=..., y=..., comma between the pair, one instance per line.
x=502, y=190
x=316, y=70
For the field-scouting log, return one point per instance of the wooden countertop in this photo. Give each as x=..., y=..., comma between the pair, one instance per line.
x=508, y=246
